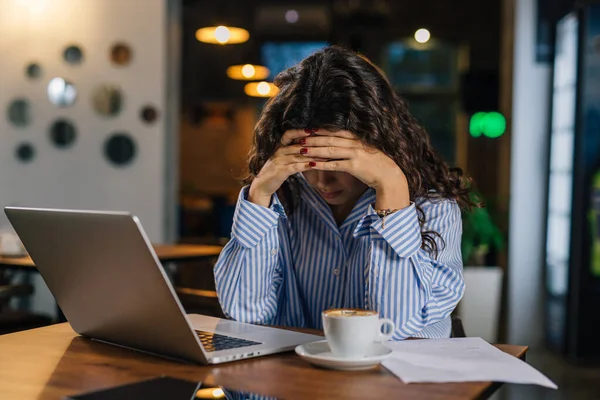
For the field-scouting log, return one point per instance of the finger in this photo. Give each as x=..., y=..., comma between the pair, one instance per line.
x=294, y=158
x=331, y=141
x=292, y=149
x=298, y=167
x=335, y=165
x=290, y=135
x=328, y=147
x=341, y=134
x=331, y=152
x=291, y=159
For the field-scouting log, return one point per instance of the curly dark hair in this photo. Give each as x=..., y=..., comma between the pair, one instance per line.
x=335, y=89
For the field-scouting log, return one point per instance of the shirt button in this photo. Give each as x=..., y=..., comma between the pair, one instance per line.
x=273, y=252
x=336, y=272
x=376, y=272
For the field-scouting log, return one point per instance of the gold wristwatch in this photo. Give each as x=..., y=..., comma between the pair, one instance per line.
x=382, y=214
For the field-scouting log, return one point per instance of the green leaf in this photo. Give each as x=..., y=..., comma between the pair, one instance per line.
x=479, y=230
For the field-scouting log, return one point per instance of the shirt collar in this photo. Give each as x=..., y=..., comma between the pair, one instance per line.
x=320, y=206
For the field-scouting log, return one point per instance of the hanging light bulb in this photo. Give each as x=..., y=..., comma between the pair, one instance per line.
x=422, y=35
x=261, y=89
x=222, y=35
x=248, y=72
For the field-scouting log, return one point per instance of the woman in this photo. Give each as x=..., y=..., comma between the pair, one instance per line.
x=347, y=205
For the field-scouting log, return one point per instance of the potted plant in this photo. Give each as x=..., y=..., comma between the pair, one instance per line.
x=480, y=306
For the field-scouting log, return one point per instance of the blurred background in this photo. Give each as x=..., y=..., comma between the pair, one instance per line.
x=149, y=106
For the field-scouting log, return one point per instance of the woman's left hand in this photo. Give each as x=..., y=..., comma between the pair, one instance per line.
x=342, y=151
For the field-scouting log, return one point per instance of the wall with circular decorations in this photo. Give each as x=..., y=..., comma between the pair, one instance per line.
x=83, y=101
x=84, y=110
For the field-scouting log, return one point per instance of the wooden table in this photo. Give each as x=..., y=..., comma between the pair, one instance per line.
x=165, y=253
x=52, y=362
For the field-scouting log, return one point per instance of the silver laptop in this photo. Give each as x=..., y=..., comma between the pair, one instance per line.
x=104, y=274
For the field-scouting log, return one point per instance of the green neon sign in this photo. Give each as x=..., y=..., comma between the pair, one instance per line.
x=490, y=124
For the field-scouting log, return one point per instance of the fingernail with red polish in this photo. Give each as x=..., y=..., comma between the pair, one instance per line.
x=312, y=164
x=302, y=141
x=308, y=130
x=303, y=151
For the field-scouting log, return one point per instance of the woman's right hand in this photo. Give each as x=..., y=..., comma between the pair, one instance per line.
x=286, y=161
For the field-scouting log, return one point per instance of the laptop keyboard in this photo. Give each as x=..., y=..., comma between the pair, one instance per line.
x=215, y=342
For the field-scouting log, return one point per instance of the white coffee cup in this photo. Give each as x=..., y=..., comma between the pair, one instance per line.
x=11, y=245
x=351, y=332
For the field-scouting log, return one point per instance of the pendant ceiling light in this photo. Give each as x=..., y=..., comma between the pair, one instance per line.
x=248, y=72
x=261, y=89
x=222, y=35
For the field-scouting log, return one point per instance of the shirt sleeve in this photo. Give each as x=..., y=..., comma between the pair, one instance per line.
x=406, y=283
x=252, y=222
x=248, y=272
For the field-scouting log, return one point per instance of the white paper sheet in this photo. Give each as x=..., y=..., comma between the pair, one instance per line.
x=459, y=360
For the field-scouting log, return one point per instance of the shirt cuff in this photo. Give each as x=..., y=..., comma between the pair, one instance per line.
x=401, y=231
x=251, y=222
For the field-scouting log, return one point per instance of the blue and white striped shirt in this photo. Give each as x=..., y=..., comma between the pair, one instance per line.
x=282, y=270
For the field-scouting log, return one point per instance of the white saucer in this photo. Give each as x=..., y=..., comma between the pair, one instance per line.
x=319, y=354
